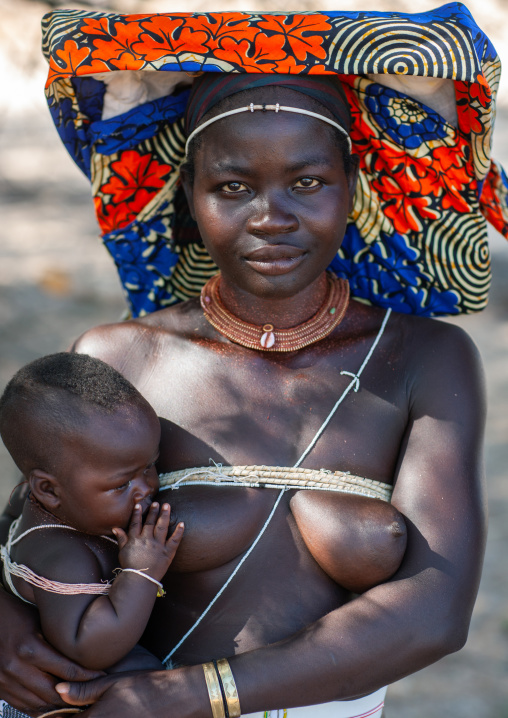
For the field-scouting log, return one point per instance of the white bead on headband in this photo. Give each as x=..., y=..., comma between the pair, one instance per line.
x=276, y=108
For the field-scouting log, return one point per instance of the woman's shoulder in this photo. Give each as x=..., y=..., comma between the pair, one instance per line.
x=415, y=337
x=434, y=339
x=111, y=342
x=441, y=361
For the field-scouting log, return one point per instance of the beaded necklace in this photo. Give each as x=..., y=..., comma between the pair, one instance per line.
x=267, y=337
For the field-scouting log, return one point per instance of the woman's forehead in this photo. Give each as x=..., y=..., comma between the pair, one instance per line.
x=213, y=93
x=270, y=95
x=248, y=138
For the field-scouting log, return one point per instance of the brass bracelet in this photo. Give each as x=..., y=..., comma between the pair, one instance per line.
x=214, y=691
x=229, y=686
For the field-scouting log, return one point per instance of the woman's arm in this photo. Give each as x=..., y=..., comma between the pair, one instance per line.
x=30, y=667
x=13, y=509
x=397, y=628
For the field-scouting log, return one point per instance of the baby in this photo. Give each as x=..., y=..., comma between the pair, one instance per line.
x=91, y=547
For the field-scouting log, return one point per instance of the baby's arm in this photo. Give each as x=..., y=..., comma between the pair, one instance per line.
x=138, y=659
x=98, y=632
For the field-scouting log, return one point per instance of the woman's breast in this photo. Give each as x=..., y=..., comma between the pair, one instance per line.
x=318, y=546
x=220, y=523
x=278, y=591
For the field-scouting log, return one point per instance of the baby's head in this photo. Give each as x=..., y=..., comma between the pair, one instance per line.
x=84, y=438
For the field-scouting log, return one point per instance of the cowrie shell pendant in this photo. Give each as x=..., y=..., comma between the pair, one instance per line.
x=268, y=337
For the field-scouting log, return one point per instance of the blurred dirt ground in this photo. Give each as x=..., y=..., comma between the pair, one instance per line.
x=56, y=281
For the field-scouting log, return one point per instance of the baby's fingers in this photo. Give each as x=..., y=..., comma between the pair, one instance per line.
x=173, y=541
x=136, y=523
x=121, y=537
x=162, y=524
x=151, y=519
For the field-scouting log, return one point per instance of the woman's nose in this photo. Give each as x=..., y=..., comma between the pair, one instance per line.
x=272, y=216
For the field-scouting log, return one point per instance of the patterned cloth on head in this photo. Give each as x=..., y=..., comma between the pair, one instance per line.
x=209, y=89
x=416, y=240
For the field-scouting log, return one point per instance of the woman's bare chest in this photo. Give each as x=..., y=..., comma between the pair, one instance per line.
x=243, y=413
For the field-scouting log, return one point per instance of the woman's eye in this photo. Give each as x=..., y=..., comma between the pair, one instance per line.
x=233, y=187
x=308, y=182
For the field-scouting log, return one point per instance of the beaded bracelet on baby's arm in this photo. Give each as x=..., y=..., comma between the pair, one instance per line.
x=222, y=689
x=141, y=572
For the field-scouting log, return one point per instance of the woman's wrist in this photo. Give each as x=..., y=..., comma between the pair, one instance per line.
x=190, y=687
x=222, y=692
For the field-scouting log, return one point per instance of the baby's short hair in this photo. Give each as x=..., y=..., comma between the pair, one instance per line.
x=60, y=390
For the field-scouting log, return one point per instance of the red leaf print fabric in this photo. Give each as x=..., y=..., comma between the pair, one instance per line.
x=300, y=31
x=67, y=60
x=133, y=174
x=218, y=26
x=117, y=48
x=424, y=184
x=257, y=57
x=159, y=39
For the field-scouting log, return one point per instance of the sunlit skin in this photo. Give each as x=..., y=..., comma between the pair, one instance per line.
x=104, y=481
x=104, y=471
x=293, y=634
x=271, y=225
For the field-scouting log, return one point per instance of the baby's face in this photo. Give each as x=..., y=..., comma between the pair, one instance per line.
x=108, y=468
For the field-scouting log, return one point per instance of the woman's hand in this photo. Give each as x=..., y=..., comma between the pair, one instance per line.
x=28, y=665
x=181, y=692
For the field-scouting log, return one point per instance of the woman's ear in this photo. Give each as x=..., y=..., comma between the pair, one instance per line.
x=353, y=179
x=45, y=488
x=188, y=187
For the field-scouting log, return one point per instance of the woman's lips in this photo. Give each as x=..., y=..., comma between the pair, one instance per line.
x=275, y=259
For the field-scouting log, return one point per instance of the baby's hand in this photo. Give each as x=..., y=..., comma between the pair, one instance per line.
x=146, y=546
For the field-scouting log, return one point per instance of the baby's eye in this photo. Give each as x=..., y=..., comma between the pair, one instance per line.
x=123, y=487
x=307, y=182
x=233, y=187
x=151, y=465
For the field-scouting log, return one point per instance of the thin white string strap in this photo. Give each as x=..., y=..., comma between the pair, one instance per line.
x=221, y=591
x=276, y=108
x=214, y=472
x=8, y=579
x=51, y=526
x=11, y=568
x=5, y=558
x=59, y=712
x=353, y=384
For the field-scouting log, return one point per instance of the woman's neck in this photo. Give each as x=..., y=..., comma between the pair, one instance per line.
x=282, y=313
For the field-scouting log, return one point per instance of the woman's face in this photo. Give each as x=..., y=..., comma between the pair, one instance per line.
x=271, y=199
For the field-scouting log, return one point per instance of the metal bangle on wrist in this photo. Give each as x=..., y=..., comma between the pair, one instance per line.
x=222, y=689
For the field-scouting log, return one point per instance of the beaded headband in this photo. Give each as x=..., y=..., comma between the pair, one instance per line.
x=276, y=108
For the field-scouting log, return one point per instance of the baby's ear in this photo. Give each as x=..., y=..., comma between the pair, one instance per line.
x=45, y=488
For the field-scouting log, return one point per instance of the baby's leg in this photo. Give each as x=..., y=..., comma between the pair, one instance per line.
x=139, y=659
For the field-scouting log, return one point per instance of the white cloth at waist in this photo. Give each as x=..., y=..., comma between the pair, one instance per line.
x=370, y=706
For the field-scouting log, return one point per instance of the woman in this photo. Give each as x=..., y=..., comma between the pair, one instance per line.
x=397, y=399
